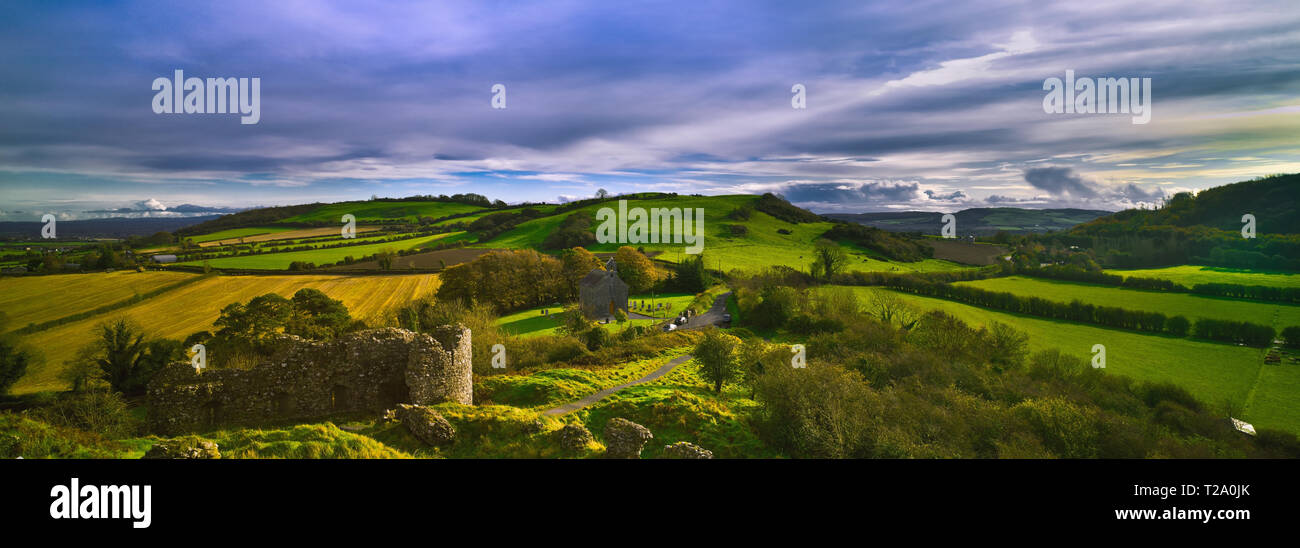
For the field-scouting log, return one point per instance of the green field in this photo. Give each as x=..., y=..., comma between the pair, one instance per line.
x=280, y=261
x=1190, y=275
x=1213, y=372
x=531, y=322
x=376, y=210
x=1190, y=306
x=761, y=247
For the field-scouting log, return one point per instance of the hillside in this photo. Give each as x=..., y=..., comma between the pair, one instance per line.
x=980, y=221
x=1204, y=229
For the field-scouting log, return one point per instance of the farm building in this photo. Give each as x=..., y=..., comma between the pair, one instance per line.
x=164, y=258
x=602, y=292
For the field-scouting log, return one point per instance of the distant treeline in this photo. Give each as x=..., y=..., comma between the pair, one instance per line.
x=1256, y=292
x=1077, y=311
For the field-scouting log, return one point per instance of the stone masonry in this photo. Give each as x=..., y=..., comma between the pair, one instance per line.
x=364, y=371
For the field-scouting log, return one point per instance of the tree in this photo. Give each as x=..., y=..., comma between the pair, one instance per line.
x=620, y=316
x=121, y=346
x=890, y=308
x=635, y=269
x=13, y=363
x=828, y=259
x=1007, y=347
x=578, y=262
x=690, y=276
x=602, y=194
x=716, y=354
x=317, y=316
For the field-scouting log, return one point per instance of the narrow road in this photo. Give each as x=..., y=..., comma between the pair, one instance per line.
x=707, y=319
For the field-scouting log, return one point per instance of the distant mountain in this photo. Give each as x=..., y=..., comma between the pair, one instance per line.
x=113, y=227
x=980, y=221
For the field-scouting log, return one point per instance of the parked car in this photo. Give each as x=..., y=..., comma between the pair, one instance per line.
x=681, y=320
x=726, y=318
x=669, y=327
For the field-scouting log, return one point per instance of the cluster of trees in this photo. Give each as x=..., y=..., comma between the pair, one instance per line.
x=1257, y=292
x=776, y=206
x=875, y=390
x=890, y=244
x=248, y=332
x=508, y=280
x=574, y=231
x=1233, y=331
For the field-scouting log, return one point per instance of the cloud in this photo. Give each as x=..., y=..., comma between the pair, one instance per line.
x=851, y=192
x=951, y=196
x=151, y=205
x=1060, y=181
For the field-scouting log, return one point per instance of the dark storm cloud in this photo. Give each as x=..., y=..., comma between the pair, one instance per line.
x=851, y=193
x=1060, y=181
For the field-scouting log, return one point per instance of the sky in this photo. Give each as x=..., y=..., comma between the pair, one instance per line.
x=912, y=105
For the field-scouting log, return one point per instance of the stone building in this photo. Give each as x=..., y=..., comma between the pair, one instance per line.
x=365, y=371
x=602, y=292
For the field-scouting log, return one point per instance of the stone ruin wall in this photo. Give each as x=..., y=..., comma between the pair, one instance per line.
x=369, y=370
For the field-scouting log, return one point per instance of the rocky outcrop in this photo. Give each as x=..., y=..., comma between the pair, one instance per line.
x=686, y=450
x=573, y=438
x=426, y=424
x=363, y=371
x=184, y=448
x=624, y=439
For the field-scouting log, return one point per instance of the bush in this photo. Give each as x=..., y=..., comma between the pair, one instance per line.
x=1290, y=337
x=596, y=338
x=100, y=411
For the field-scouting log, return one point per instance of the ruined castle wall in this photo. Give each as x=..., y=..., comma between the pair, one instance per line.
x=368, y=370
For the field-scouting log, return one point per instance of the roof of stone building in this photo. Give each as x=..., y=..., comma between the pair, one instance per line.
x=594, y=277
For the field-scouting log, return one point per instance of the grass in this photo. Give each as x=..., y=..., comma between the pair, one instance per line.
x=531, y=322
x=1213, y=372
x=552, y=387
x=280, y=261
x=304, y=441
x=681, y=406
x=377, y=210
x=31, y=439
x=1190, y=275
x=1171, y=304
x=194, y=307
x=38, y=299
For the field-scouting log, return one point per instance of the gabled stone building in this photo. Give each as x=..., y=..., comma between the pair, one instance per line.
x=602, y=292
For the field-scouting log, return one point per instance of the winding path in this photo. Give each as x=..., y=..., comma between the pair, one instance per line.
x=707, y=319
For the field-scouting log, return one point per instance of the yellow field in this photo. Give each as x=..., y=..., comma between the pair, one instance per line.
x=286, y=235
x=37, y=299
x=192, y=308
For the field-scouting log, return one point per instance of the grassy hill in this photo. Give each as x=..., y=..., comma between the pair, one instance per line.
x=1190, y=275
